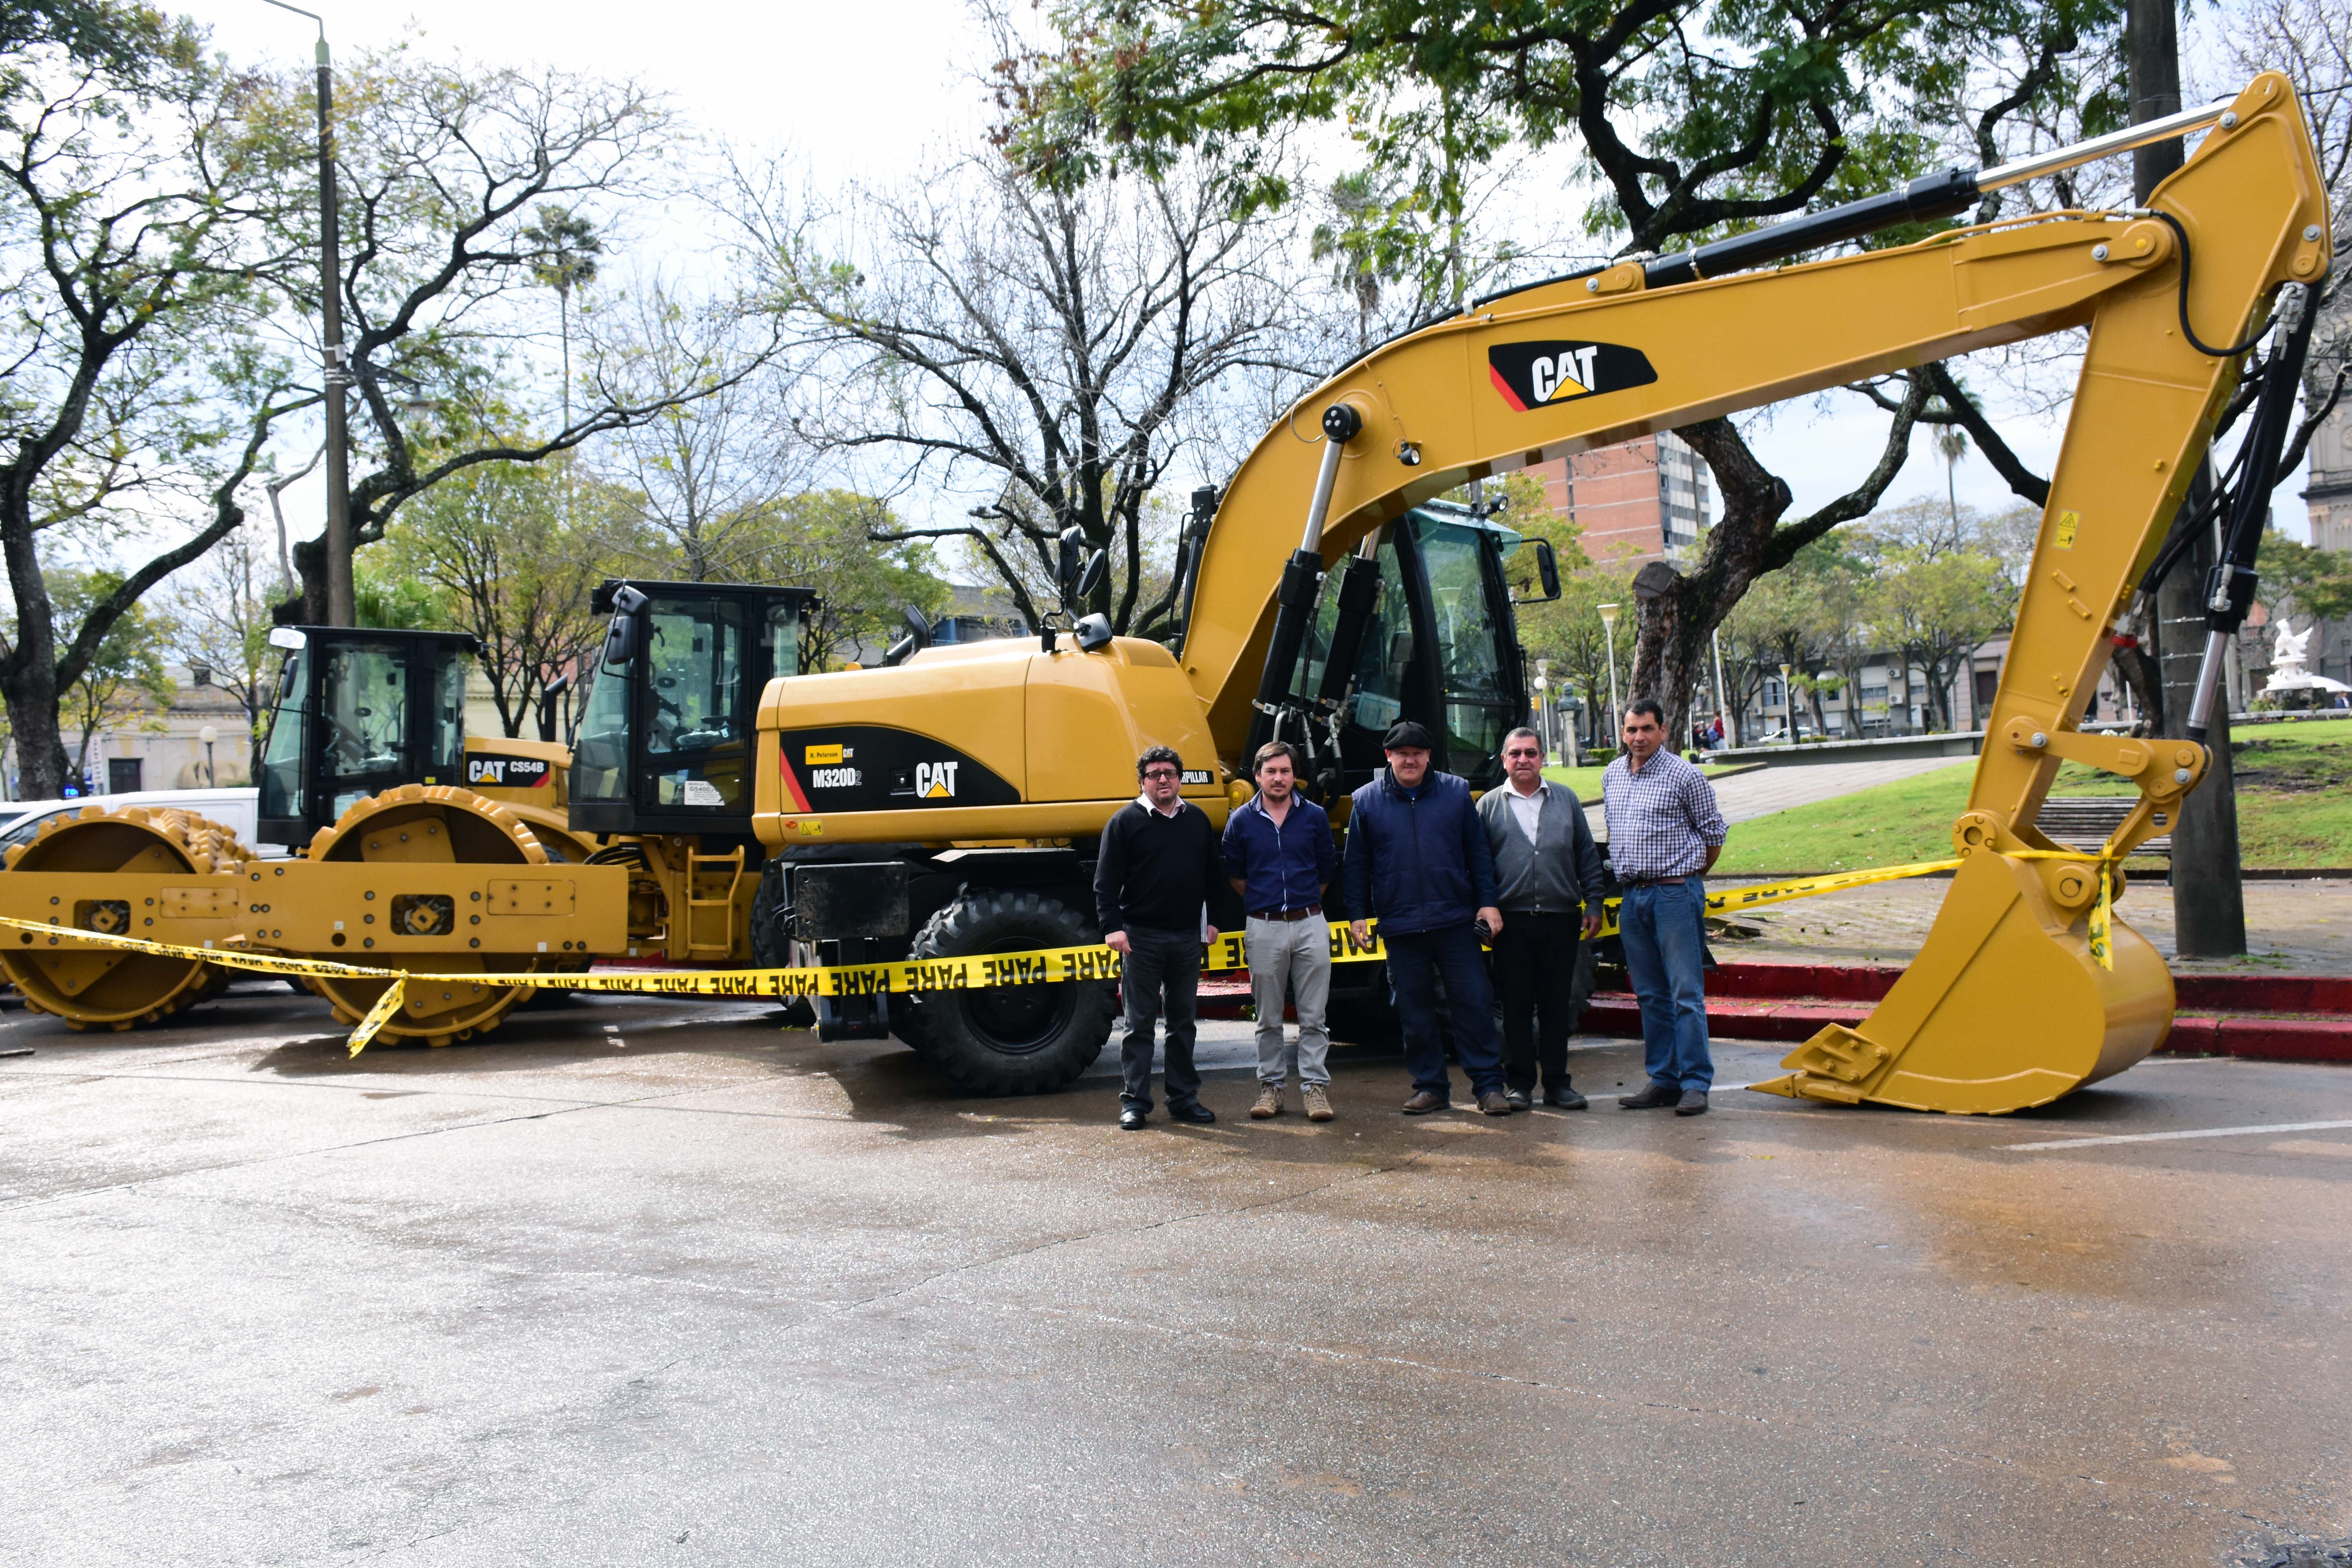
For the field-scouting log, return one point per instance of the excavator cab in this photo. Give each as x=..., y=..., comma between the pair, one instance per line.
x=359, y=711
x=1418, y=626
x=667, y=740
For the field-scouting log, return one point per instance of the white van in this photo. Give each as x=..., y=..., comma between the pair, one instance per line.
x=20, y=820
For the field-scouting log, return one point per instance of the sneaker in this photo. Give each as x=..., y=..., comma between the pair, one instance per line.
x=1269, y=1102
x=1318, y=1104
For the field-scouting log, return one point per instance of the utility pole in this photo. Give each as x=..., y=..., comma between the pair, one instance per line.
x=2209, y=894
x=337, y=374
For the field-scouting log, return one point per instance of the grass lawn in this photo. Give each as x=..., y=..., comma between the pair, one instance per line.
x=2294, y=810
x=1586, y=781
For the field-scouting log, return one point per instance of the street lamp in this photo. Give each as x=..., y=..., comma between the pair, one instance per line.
x=208, y=735
x=1788, y=704
x=337, y=375
x=1609, y=634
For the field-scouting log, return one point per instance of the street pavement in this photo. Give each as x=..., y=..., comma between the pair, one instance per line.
x=1745, y=796
x=648, y=1283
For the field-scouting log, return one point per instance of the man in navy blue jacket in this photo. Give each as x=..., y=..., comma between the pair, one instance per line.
x=1418, y=862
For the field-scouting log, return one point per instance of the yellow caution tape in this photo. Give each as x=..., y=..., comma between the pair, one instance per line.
x=1045, y=967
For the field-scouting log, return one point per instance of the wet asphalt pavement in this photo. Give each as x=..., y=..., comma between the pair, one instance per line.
x=652, y=1283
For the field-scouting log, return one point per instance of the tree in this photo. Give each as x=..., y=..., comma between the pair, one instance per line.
x=2316, y=581
x=565, y=249
x=1045, y=345
x=505, y=564
x=1694, y=121
x=137, y=397
x=219, y=618
x=438, y=171
x=124, y=681
x=841, y=543
x=1932, y=597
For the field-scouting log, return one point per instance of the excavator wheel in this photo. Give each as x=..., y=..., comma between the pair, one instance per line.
x=1014, y=1039
x=430, y=823
x=100, y=988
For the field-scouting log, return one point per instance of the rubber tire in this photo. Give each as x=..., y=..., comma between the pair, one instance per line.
x=974, y=1043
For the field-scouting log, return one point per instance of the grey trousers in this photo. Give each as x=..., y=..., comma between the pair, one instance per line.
x=1292, y=960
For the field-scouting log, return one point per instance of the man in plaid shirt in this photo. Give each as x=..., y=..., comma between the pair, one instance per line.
x=1664, y=832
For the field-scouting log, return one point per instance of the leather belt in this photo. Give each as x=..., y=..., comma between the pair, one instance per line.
x=1310, y=913
x=1654, y=882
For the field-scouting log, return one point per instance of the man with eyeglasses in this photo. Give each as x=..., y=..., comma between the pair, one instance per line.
x=1548, y=875
x=1160, y=886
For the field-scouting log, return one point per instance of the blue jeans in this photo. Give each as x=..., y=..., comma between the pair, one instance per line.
x=1416, y=961
x=1665, y=939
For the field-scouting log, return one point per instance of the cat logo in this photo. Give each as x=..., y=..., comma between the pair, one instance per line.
x=1531, y=376
x=935, y=781
x=507, y=773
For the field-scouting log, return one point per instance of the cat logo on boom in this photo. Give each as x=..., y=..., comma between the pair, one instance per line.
x=1531, y=376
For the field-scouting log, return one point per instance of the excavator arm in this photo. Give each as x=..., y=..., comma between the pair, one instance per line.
x=2007, y=1005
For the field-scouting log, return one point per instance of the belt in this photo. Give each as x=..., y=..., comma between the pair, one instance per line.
x=1653, y=881
x=1308, y=914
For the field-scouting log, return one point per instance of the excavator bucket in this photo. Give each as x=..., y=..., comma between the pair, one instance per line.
x=2007, y=1005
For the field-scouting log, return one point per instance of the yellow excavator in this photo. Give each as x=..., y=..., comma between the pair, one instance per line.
x=948, y=804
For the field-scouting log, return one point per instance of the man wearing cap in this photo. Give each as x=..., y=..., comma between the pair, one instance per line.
x=1418, y=860
x=1664, y=832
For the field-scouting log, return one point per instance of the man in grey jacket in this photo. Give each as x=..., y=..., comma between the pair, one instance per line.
x=1547, y=870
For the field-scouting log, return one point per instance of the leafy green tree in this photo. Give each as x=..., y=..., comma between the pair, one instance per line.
x=124, y=682
x=2318, y=581
x=837, y=542
x=496, y=547
x=1934, y=605
x=138, y=394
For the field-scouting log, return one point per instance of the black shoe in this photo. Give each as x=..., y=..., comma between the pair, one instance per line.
x=1693, y=1103
x=1198, y=1114
x=1564, y=1097
x=1656, y=1097
x=1132, y=1120
x=1520, y=1100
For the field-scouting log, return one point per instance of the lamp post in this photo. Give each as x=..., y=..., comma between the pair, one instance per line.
x=208, y=735
x=1788, y=704
x=1609, y=635
x=337, y=377
x=1731, y=721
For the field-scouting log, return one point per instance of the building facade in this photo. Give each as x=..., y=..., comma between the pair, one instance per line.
x=1639, y=500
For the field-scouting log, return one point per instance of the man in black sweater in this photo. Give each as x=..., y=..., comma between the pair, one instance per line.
x=1161, y=870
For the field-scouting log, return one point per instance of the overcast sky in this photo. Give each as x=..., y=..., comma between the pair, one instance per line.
x=867, y=91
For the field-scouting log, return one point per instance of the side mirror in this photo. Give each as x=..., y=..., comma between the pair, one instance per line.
x=549, y=696
x=1091, y=578
x=1070, y=562
x=1094, y=632
x=1546, y=573
x=621, y=637
x=914, y=640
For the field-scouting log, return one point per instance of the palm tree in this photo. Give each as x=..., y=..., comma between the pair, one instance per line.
x=563, y=251
x=1953, y=443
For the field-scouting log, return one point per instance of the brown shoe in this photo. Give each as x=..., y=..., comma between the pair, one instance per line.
x=1318, y=1104
x=1269, y=1102
x=1423, y=1102
x=1494, y=1102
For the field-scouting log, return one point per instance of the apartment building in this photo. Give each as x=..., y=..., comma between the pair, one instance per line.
x=1639, y=500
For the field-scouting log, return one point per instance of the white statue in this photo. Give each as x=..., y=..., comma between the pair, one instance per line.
x=2286, y=653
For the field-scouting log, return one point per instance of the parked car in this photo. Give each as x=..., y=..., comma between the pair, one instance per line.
x=20, y=820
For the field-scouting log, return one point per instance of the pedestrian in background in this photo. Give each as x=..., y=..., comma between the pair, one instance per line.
x=1665, y=833
x=1546, y=868
x=1279, y=857
x=1159, y=884
x=1417, y=859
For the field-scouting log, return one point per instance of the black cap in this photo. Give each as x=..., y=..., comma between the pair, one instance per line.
x=1404, y=733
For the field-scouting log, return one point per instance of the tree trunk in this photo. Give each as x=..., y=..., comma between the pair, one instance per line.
x=2209, y=894
x=29, y=676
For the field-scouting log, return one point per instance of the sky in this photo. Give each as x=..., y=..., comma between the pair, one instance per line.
x=865, y=91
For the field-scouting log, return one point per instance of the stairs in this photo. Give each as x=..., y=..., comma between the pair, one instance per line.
x=2087, y=822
